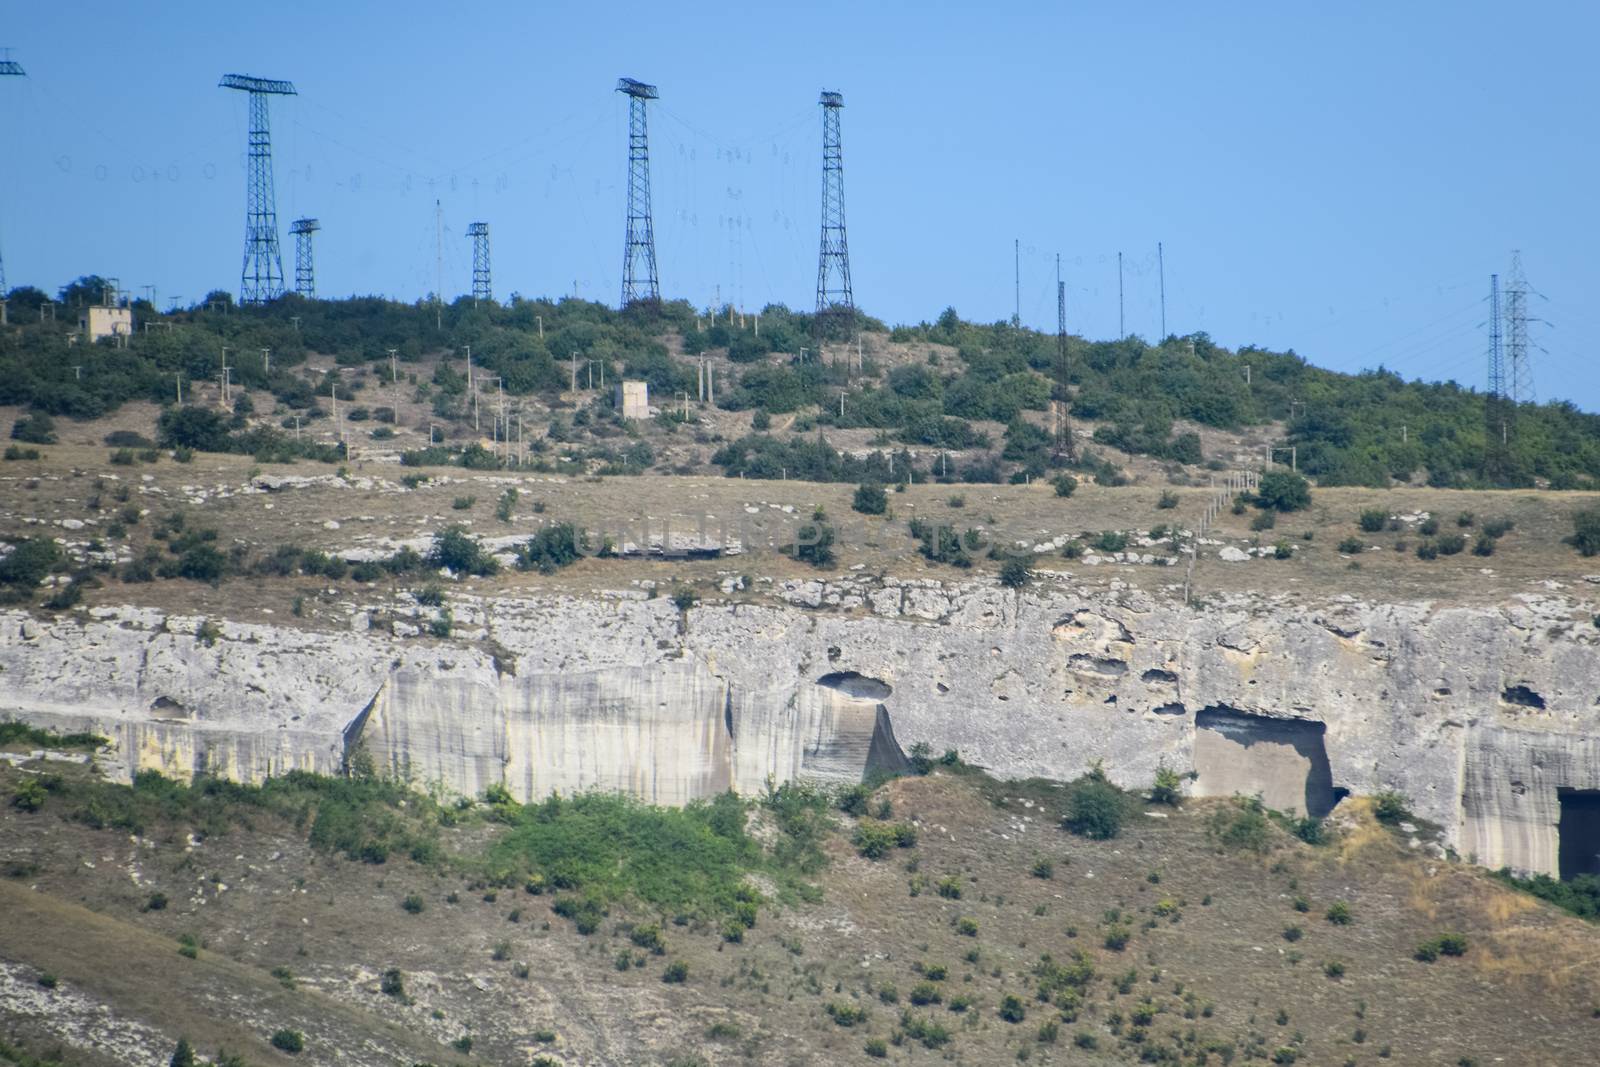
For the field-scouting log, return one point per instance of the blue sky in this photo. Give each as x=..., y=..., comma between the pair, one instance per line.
x=1336, y=179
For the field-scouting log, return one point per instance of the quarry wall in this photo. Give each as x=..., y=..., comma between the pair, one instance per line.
x=1485, y=718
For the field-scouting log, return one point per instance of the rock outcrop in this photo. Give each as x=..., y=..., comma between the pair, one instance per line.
x=1480, y=716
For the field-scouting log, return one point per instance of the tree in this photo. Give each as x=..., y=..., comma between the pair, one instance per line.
x=1283, y=491
x=870, y=500
x=29, y=562
x=1586, y=532
x=183, y=1055
x=1094, y=808
x=813, y=544
x=1015, y=573
x=36, y=429
x=201, y=429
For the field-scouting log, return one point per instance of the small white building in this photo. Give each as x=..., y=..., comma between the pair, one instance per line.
x=633, y=399
x=98, y=321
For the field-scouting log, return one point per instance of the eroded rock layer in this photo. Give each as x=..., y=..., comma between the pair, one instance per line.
x=1480, y=716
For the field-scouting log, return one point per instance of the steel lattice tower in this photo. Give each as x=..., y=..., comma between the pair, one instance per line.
x=14, y=69
x=262, y=277
x=639, y=281
x=481, y=289
x=305, y=271
x=1497, y=366
x=1521, y=391
x=833, y=260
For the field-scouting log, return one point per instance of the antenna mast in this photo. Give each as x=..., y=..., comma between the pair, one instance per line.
x=305, y=275
x=639, y=281
x=481, y=289
x=1161, y=271
x=834, y=291
x=261, y=278
x=8, y=67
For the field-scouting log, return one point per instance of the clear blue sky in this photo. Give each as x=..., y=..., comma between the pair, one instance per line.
x=1337, y=179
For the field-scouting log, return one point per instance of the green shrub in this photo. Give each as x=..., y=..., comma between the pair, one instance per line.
x=813, y=544
x=29, y=796
x=1373, y=519
x=1350, y=546
x=1339, y=913
x=47, y=980
x=183, y=1055
x=1167, y=500
x=1015, y=573
x=1429, y=526
x=1451, y=544
x=1117, y=937
x=508, y=500
x=291, y=1041
x=392, y=984
x=413, y=904
x=1442, y=945
x=463, y=503
x=950, y=887
x=156, y=902
x=1497, y=528
x=1095, y=808
x=1427, y=550
x=873, y=839
x=1243, y=825
x=675, y=973
x=1264, y=520
x=1292, y=934
x=846, y=1014
x=1065, y=485
x=1111, y=541
x=1585, y=536
x=1012, y=1010
x=1281, y=490
x=876, y=1048
x=1484, y=545
x=870, y=499
x=1389, y=807
x=1043, y=868
x=967, y=926
x=1333, y=969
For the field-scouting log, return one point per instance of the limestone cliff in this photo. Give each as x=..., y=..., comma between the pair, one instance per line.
x=1484, y=718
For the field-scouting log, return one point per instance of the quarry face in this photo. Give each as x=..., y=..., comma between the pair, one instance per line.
x=1482, y=717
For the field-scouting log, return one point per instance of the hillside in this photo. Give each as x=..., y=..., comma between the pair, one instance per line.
x=951, y=400
x=1202, y=933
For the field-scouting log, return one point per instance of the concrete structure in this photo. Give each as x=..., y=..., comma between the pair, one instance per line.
x=98, y=322
x=633, y=399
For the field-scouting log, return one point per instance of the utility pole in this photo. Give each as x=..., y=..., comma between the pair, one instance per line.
x=1016, y=280
x=438, y=265
x=266, y=361
x=394, y=368
x=1161, y=270
x=1122, y=330
x=10, y=68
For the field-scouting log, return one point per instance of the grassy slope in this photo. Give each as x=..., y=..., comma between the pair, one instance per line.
x=1217, y=942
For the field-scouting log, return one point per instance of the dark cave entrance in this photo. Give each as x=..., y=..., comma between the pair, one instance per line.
x=1579, y=832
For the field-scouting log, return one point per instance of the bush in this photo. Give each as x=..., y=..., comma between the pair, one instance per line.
x=1043, y=868
x=413, y=904
x=183, y=1055
x=1585, y=535
x=1497, y=528
x=1443, y=945
x=1373, y=519
x=1015, y=573
x=1168, y=787
x=392, y=984
x=1244, y=825
x=870, y=500
x=1339, y=914
x=37, y=428
x=1451, y=544
x=874, y=839
x=1264, y=520
x=1111, y=541
x=291, y=1041
x=925, y=993
x=876, y=1048
x=1168, y=500
x=1065, y=485
x=1483, y=546
x=675, y=973
x=456, y=550
x=950, y=887
x=1117, y=936
x=1281, y=490
x=30, y=562
x=1292, y=934
x=1095, y=808
x=156, y=902
x=1012, y=1009
x=1390, y=808
x=1351, y=546
x=1427, y=550
x=813, y=544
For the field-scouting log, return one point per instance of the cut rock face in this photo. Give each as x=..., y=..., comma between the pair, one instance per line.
x=1283, y=761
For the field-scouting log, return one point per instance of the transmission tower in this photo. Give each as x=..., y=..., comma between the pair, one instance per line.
x=1497, y=366
x=262, y=277
x=834, y=292
x=305, y=271
x=639, y=281
x=1064, y=445
x=13, y=69
x=481, y=289
x=1517, y=333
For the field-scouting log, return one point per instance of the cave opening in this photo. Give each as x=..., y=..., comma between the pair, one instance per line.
x=1578, y=832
